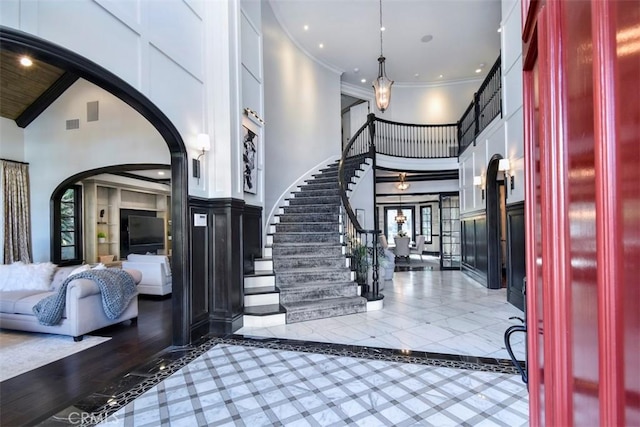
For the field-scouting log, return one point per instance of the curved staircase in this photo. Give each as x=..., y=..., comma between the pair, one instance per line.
x=307, y=275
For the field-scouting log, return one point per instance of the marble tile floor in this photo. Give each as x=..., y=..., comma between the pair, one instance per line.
x=430, y=310
x=258, y=386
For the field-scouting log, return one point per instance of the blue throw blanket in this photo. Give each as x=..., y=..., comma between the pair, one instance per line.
x=116, y=286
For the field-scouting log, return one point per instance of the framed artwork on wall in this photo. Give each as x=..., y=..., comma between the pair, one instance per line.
x=250, y=158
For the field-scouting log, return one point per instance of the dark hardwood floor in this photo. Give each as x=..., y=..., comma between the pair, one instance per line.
x=36, y=395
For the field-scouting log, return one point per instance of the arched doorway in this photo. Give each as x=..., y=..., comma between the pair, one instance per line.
x=496, y=233
x=63, y=58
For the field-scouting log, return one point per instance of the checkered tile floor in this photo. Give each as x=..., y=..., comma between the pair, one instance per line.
x=244, y=385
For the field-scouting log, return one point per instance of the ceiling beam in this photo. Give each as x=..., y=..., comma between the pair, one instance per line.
x=46, y=99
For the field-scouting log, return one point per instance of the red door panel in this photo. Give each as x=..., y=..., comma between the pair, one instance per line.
x=582, y=161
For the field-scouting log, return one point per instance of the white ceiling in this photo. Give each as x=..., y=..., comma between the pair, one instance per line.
x=465, y=35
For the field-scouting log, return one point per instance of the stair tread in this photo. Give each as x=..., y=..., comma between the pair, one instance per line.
x=313, y=270
x=306, y=244
x=260, y=290
x=297, y=286
x=308, y=223
x=306, y=232
x=329, y=302
x=264, y=310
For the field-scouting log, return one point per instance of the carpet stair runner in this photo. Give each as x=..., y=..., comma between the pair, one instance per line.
x=305, y=263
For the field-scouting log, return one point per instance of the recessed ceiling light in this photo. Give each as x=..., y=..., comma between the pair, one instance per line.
x=321, y=45
x=427, y=38
x=499, y=30
x=416, y=75
x=306, y=27
x=356, y=70
x=440, y=76
x=382, y=28
x=26, y=61
x=363, y=80
x=478, y=70
x=160, y=172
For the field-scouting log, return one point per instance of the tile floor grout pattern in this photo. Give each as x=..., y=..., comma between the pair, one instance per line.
x=241, y=385
x=432, y=311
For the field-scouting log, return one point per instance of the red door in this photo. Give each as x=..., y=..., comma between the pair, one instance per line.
x=582, y=147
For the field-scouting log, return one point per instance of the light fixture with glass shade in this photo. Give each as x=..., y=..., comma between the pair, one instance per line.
x=382, y=85
x=401, y=218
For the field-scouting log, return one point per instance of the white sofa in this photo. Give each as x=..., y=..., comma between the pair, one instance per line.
x=156, y=273
x=83, y=312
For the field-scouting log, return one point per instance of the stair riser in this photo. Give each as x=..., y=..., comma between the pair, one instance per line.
x=318, y=293
x=259, y=281
x=263, y=265
x=309, y=262
x=303, y=316
x=311, y=250
x=317, y=217
x=307, y=238
x=284, y=279
x=261, y=299
x=308, y=227
x=250, y=321
x=334, y=200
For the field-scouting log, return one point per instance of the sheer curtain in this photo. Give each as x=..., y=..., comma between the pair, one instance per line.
x=16, y=211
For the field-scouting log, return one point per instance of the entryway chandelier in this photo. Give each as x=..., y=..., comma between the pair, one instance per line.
x=402, y=185
x=382, y=85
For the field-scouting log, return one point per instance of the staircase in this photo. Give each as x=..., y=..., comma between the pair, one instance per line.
x=310, y=276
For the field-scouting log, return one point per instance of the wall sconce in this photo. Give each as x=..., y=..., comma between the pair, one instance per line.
x=505, y=166
x=204, y=143
x=477, y=182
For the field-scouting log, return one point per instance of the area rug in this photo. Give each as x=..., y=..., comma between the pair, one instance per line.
x=21, y=352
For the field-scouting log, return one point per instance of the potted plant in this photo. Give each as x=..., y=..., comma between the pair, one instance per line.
x=102, y=237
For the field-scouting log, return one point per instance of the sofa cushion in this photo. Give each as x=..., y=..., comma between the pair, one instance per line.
x=19, y=276
x=60, y=274
x=21, y=302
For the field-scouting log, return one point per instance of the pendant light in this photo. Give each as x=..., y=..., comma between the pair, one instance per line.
x=382, y=85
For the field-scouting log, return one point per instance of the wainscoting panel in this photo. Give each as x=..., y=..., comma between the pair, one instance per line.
x=216, y=265
x=474, y=246
x=198, y=264
x=227, y=291
x=515, y=254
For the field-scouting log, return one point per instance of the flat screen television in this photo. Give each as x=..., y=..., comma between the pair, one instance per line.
x=146, y=233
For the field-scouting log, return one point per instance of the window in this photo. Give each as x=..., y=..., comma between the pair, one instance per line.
x=425, y=223
x=67, y=227
x=392, y=227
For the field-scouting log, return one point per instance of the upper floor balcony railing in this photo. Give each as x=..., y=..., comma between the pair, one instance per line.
x=378, y=136
x=486, y=106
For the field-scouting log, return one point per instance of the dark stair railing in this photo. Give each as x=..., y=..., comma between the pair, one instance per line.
x=486, y=106
x=378, y=136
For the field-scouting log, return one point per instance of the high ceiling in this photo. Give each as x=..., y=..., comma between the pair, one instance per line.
x=464, y=35
x=21, y=86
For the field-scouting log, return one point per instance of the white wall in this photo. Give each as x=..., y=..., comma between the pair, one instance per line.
x=120, y=136
x=11, y=140
x=168, y=51
x=252, y=87
x=302, y=114
x=432, y=104
x=361, y=197
x=504, y=136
